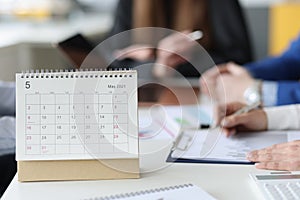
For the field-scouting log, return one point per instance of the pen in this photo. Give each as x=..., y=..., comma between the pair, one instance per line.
x=247, y=108
x=196, y=35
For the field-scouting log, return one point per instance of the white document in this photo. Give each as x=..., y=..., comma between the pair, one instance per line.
x=232, y=149
x=156, y=124
x=165, y=122
x=190, y=116
x=77, y=115
x=177, y=192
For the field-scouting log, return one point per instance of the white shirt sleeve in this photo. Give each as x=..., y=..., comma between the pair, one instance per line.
x=283, y=117
x=269, y=90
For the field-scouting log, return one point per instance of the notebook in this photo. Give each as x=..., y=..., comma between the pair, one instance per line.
x=75, y=116
x=177, y=192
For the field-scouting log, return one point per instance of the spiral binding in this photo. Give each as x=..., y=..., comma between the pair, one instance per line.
x=142, y=192
x=77, y=73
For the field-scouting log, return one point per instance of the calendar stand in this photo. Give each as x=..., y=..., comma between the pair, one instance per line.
x=77, y=170
x=79, y=125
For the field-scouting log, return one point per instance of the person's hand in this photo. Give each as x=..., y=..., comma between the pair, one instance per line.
x=209, y=77
x=137, y=52
x=172, y=51
x=285, y=156
x=255, y=120
x=230, y=87
x=226, y=83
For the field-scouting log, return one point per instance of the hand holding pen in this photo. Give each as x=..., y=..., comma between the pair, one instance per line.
x=173, y=51
x=239, y=117
x=147, y=52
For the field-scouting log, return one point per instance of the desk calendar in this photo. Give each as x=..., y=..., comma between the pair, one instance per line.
x=77, y=115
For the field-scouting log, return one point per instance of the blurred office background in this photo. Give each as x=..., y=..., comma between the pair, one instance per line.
x=30, y=28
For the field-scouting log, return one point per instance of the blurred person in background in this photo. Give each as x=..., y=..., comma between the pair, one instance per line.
x=225, y=35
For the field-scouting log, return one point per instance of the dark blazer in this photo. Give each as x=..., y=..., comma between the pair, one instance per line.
x=284, y=70
x=230, y=40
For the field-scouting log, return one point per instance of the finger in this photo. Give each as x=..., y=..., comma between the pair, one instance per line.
x=273, y=165
x=295, y=143
x=213, y=72
x=174, y=61
x=133, y=51
x=223, y=68
x=234, y=68
x=123, y=55
x=272, y=151
x=222, y=110
x=210, y=76
x=169, y=59
x=267, y=157
x=289, y=149
x=254, y=154
x=209, y=73
x=235, y=120
x=187, y=31
x=276, y=147
x=233, y=107
x=228, y=132
x=173, y=38
x=219, y=112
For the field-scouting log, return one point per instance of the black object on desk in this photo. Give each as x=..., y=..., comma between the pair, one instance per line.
x=8, y=168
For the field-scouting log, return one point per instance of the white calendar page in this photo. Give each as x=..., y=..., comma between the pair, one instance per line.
x=77, y=115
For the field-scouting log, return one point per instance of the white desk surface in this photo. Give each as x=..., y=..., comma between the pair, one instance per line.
x=222, y=181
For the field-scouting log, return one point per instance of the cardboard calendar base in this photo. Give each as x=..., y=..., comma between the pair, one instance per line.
x=78, y=170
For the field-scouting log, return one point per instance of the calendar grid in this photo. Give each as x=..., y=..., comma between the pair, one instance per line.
x=40, y=121
x=113, y=111
x=69, y=138
x=56, y=126
x=53, y=126
x=98, y=111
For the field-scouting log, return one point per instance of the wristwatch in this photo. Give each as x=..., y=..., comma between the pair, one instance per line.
x=253, y=93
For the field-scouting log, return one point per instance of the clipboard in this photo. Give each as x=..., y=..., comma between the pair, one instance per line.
x=184, y=141
x=203, y=161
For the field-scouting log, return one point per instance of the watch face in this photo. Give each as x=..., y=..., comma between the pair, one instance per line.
x=254, y=97
x=251, y=96
x=252, y=93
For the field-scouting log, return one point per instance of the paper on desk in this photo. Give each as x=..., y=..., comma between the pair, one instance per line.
x=165, y=122
x=190, y=116
x=235, y=148
x=155, y=123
